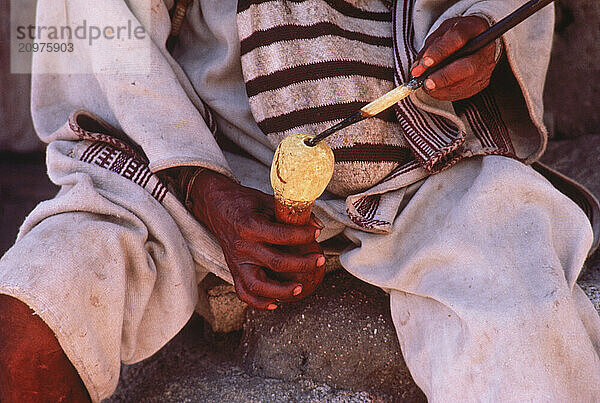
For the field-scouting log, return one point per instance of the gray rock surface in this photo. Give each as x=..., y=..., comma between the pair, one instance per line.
x=198, y=366
x=343, y=335
x=572, y=92
x=580, y=159
x=345, y=330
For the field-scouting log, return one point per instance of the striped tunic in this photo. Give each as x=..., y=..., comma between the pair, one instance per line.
x=308, y=64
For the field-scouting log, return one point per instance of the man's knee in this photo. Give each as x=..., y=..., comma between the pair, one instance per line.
x=33, y=367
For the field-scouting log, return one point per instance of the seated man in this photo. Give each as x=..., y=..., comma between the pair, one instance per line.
x=478, y=251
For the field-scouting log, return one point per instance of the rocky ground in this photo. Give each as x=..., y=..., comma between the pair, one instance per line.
x=337, y=346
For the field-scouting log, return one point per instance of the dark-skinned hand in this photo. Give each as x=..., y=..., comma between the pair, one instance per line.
x=269, y=261
x=464, y=77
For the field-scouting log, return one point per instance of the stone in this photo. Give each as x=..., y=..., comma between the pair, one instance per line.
x=228, y=307
x=343, y=336
x=579, y=159
x=225, y=312
x=219, y=305
x=572, y=92
x=200, y=366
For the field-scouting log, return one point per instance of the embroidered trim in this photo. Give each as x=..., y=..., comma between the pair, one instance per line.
x=128, y=166
x=340, y=6
x=427, y=143
x=101, y=137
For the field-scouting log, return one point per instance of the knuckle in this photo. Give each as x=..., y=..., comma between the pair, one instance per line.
x=280, y=233
x=250, y=226
x=240, y=246
x=306, y=235
x=278, y=263
x=242, y=294
x=462, y=36
x=455, y=40
x=436, y=50
x=244, y=231
x=443, y=79
x=253, y=286
x=479, y=24
x=470, y=67
x=307, y=264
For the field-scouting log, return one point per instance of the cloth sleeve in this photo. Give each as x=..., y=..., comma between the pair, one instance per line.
x=133, y=84
x=527, y=45
x=516, y=86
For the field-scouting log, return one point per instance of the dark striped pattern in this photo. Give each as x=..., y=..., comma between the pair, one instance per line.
x=339, y=5
x=290, y=32
x=282, y=60
x=315, y=114
x=401, y=170
x=484, y=117
x=430, y=136
x=434, y=139
x=367, y=206
x=113, y=159
x=316, y=71
x=429, y=143
x=373, y=153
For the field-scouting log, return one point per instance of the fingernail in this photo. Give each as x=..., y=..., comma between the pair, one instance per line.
x=297, y=290
x=429, y=84
x=417, y=70
x=428, y=61
x=317, y=233
x=318, y=222
x=320, y=261
x=272, y=307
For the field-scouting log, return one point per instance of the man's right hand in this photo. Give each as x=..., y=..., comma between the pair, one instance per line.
x=242, y=220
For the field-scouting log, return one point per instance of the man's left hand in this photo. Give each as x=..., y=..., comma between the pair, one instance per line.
x=464, y=77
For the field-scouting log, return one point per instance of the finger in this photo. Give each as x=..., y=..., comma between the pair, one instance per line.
x=462, y=90
x=453, y=39
x=255, y=301
x=457, y=71
x=280, y=261
x=255, y=282
x=307, y=248
x=261, y=229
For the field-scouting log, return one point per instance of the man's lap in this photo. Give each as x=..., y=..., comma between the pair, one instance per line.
x=481, y=269
x=113, y=271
